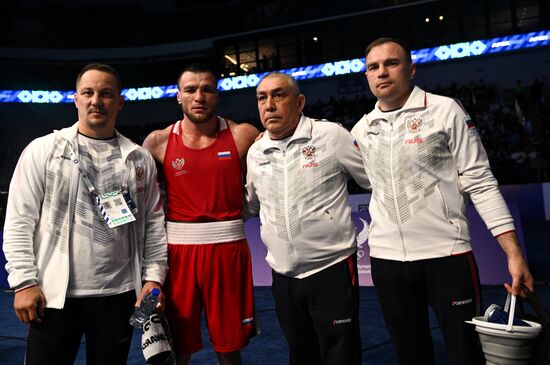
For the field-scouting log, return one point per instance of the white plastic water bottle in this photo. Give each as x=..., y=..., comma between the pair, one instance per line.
x=147, y=306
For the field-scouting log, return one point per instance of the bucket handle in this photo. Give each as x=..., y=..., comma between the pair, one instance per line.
x=510, y=308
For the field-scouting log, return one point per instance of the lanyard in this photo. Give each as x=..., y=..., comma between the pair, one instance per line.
x=83, y=173
x=91, y=188
x=125, y=208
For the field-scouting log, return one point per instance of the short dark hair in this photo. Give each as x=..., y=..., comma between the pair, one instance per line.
x=401, y=43
x=103, y=68
x=198, y=68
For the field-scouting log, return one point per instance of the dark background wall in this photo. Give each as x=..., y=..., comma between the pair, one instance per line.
x=44, y=44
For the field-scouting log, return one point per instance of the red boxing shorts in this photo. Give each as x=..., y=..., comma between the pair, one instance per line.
x=218, y=277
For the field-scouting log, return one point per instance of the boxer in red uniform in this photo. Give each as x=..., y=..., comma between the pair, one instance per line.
x=203, y=158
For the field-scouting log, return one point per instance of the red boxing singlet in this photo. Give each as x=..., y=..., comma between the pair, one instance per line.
x=205, y=184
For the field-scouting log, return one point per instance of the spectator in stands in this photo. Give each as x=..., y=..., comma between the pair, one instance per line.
x=498, y=125
x=76, y=265
x=538, y=164
x=423, y=156
x=537, y=92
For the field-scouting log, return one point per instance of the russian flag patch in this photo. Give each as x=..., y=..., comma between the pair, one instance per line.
x=247, y=321
x=472, y=130
x=224, y=155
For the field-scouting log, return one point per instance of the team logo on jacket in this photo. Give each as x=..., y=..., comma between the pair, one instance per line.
x=308, y=156
x=309, y=152
x=414, y=125
x=140, y=173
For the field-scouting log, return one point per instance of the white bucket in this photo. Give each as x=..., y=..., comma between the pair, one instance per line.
x=506, y=344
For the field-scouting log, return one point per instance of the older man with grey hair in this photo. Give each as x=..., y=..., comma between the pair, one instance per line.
x=297, y=181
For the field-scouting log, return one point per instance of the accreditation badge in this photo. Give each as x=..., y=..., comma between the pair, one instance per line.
x=114, y=209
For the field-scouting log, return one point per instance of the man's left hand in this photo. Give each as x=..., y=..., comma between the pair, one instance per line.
x=147, y=287
x=517, y=265
x=520, y=275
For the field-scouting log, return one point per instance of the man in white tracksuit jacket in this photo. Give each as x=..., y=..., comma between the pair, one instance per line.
x=424, y=159
x=297, y=181
x=72, y=272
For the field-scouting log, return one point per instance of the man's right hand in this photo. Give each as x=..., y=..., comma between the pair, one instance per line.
x=29, y=304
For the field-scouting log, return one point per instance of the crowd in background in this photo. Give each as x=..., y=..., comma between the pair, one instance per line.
x=514, y=124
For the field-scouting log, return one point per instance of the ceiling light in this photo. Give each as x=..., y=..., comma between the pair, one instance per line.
x=230, y=59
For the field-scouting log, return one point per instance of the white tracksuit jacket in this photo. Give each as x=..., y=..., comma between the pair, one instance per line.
x=424, y=161
x=301, y=194
x=40, y=213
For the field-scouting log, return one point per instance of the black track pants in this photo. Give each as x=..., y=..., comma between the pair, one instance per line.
x=450, y=285
x=319, y=315
x=103, y=321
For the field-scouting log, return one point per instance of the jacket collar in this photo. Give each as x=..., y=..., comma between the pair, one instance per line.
x=70, y=134
x=417, y=100
x=303, y=131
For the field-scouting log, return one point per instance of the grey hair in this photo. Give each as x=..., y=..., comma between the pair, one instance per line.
x=291, y=81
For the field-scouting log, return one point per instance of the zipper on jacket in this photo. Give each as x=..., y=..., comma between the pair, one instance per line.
x=287, y=220
x=74, y=179
x=394, y=192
